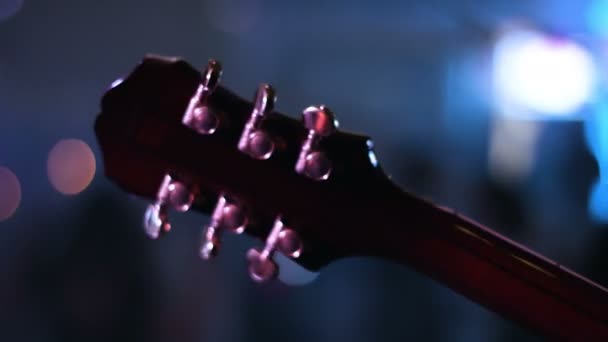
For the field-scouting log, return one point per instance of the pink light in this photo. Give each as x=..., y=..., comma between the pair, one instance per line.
x=71, y=166
x=10, y=193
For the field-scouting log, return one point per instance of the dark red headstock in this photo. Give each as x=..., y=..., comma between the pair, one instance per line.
x=312, y=177
x=176, y=137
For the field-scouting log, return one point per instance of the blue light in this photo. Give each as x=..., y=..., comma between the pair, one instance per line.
x=598, y=202
x=596, y=133
x=597, y=17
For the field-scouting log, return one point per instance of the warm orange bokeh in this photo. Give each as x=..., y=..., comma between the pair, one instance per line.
x=71, y=166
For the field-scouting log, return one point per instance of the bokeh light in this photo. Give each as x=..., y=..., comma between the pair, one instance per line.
x=512, y=149
x=9, y=8
x=544, y=75
x=597, y=17
x=598, y=202
x=71, y=166
x=10, y=193
x=596, y=134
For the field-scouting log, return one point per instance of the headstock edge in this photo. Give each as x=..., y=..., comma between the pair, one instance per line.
x=143, y=138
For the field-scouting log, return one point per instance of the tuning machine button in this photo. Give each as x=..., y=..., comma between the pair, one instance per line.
x=198, y=116
x=227, y=215
x=312, y=162
x=171, y=193
x=254, y=141
x=281, y=238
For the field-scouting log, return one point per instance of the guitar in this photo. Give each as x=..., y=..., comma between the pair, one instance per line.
x=174, y=135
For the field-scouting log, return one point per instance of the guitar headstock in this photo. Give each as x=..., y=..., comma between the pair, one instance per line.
x=176, y=136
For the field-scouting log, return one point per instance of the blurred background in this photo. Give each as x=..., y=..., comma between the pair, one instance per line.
x=496, y=108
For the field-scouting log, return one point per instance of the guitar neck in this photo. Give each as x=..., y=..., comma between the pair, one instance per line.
x=329, y=202
x=496, y=272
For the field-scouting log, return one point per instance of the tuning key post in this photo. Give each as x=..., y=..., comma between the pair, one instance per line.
x=312, y=162
x=171, y=193
x=198, y=116
x=254, y=141
x=281, y=238
x=226, y=215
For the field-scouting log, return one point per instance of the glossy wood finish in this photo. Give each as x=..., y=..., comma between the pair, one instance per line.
x=142, y=138
x=492, y=270
x=358, y=211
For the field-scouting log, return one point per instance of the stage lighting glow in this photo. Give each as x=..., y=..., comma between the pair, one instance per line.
x=597, y=17
x=511, y=151
x=596, y=133
x=10, y=193
x=71, y=166
x=540, y=74
x=598, y=202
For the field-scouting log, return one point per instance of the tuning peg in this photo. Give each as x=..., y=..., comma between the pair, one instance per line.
x=171, y=193
x=320, y=123
x=198, y=116
x=254, y=141
x=226, y=216
x=281, y=238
